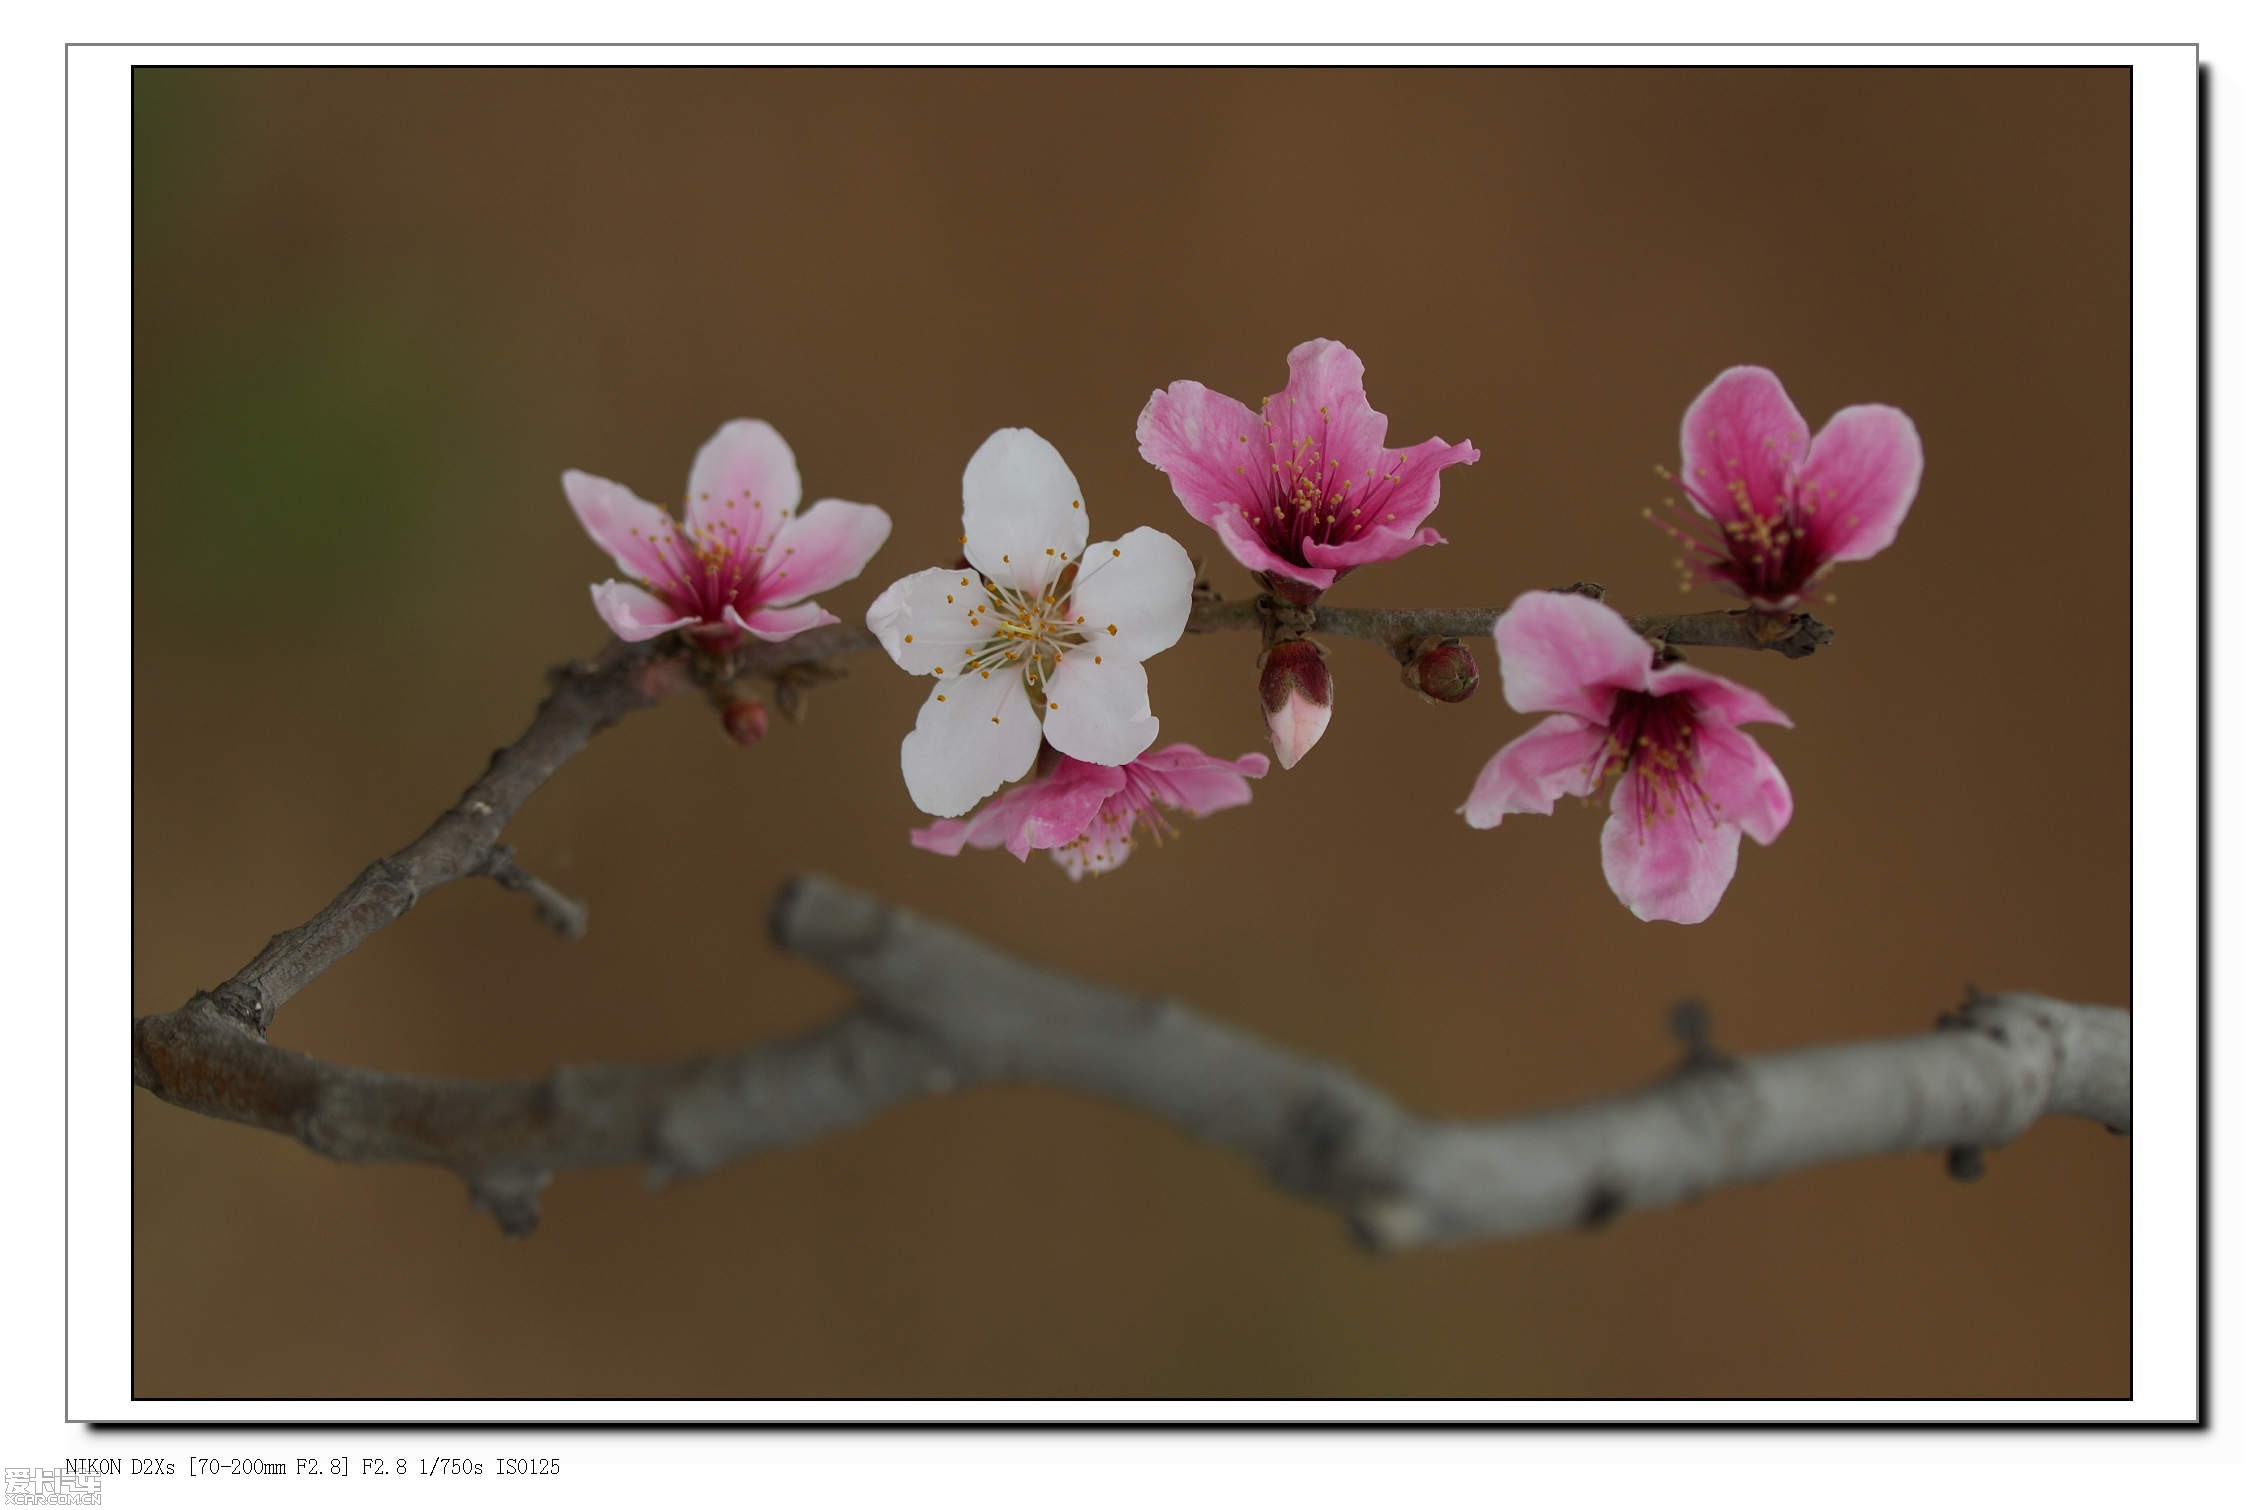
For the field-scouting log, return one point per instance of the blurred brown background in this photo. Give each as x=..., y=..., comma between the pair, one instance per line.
x=377, y=312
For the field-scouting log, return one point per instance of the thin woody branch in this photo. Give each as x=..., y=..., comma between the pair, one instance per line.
x=941, y=1012
x=585, y=697
x=1789, y=635
x=589, y=696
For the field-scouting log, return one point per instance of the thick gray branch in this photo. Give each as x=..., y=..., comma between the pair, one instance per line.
x=942, y=1012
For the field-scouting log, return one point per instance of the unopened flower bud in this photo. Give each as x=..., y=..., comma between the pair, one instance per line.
x=745, y=720
x=1442, y=670
x=1296, y=691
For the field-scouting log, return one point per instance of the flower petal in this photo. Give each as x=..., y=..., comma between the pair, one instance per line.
x=1024, y=517
x=1098, y=708
x=1211, y=447
x=630, y=530
x=1863, y=476
x=775, y=624
x=1396, y=504
x=1044, y=812
x=1184, y=778
x=823, y=546
x=1565, y=653
x=1555, y=758
x=1134, y=594
x=932, y=618
x=1741, y=441
x=1717, y=697
x=971, y=738
x=1050, y=811
x=1243, y=542
x=1742, y=782
x=744, y=484
x=633, y=613
x=1673, y=870
x=1325, y=405
x=1103, y=847
x=945, y=836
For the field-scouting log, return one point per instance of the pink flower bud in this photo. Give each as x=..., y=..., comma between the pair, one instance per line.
x=745, y=720
x=1442, y=670
x=1296, y=691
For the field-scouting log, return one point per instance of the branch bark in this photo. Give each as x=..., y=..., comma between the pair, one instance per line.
x=589, y=696
x=1792, y=636
x=940, y=1012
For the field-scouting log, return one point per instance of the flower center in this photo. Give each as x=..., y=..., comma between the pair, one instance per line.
x=1767, y=549
x=1116, y=830
x=711, y=567
x=1029, y=633
x=1653, y=742
x=1314, y=496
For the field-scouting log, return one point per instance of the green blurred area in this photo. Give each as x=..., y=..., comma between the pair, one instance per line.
x=303, y=438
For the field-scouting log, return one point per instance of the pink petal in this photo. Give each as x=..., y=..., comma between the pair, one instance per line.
x=945, y=836
x=1183, y=777
x=1741, y=436
x=1050, y=811
x=1244, y=544
x=1326, y=401
x=1187, y=757
x=1862, y=475
x=1717, y=696
x=1550, y=760
x=1742, y=782
x=744, y=484
x=1377, y=545
x=1047, y=811
x=1100, y=850
x=633, y=613
x=1398, y=508
x=624, y=526
x=1211, y=447
x=775, y=624
x=822, y=547
x=1673, y=870
x=1098, y=710
x=1133, y=595
x=1564, y=653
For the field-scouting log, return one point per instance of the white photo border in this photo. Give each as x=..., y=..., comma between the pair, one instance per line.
x=2167, y=989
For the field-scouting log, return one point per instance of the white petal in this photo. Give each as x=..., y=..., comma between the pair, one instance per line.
x=1134, y=593
x=931, y=619
x=972, y=737
x=1098, y=707
x=1024, y=517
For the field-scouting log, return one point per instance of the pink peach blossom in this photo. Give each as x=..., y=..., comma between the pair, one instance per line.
x=1307, y=490
x=742, y=561
x=1775, y=510
x=1690, y=780
x=1091, y=817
